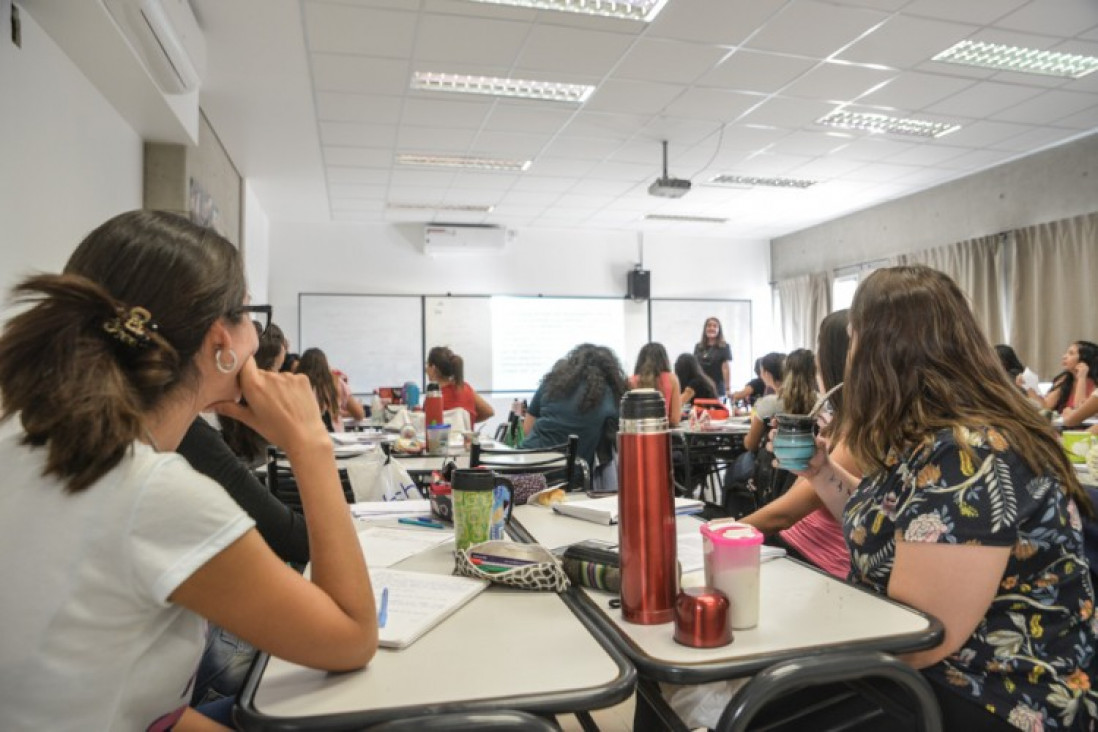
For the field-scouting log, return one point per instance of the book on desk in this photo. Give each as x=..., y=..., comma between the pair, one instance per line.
x=605, y=510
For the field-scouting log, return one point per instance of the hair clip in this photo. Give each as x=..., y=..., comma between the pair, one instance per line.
x=131, y=327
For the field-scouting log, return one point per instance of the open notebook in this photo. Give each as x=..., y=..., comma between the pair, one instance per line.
x=416, y=602
x=605, y=510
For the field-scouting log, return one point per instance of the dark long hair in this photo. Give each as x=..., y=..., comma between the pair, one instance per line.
x=919, y=364
x=1065, y=380
x=242, y=439
x=773, y=363
x=1009, y=360
x=79, y=390
x=651, y=362
x=449, y=364
x=832, y=346
x=689, y=371
x=703, y=343
x=314, y=364
x=590, y=368
x=798, y=387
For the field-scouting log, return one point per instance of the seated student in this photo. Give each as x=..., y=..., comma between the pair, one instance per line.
x=695, y=384
x=753, y=390
x=123, y=549
x=447, y=369
x=349, y=406
x=1076, y=382
x=968, y=510
x=289, y=363
x=772, y=371
x=330, y=395
x=653, y=371
x=575, y=398
x=798, y=519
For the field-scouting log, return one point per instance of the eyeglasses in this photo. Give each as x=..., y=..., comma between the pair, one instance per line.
x=260, y=314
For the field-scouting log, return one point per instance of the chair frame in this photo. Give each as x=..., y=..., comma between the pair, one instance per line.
x=575, y=474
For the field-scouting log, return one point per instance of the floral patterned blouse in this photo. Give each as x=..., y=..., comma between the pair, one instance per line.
x=1027, y=660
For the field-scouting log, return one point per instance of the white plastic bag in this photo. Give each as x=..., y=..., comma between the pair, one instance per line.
x=377, y=477
x=701, y=705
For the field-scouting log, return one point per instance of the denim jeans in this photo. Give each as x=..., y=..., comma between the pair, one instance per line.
x=223, y=666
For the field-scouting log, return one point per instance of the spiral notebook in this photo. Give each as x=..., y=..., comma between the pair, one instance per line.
x=411, y=603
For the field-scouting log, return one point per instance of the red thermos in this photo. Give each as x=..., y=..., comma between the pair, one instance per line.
x=432, y=405
x=646, y=510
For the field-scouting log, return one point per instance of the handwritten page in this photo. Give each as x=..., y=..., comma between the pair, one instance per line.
x=418, y=602
x=384, y=547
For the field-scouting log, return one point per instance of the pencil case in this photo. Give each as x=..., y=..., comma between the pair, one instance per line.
x=596, y=575
x=533, y=566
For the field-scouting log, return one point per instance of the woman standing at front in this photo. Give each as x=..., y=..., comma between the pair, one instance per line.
x=714, y=354
x=969, y=509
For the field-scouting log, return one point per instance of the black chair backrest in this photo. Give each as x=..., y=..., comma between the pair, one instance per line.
x=499, y=460
x=494, y=721
x=281, y=481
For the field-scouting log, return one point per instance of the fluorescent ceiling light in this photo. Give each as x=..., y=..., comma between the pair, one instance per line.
x=463, y=161
x=549, y=91
x=694, y=219
x=751, y=180
x=465, y=208
x=883, y=123
x=1016, y=58
x=644, y=10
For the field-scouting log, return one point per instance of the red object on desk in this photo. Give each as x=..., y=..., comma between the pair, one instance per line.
x=713, y=406
x=701, y=618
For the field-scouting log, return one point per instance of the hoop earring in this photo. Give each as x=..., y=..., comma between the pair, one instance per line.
x=226, y=368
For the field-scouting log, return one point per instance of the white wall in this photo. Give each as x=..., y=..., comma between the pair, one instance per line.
x=389, y=259
x=256, y=245
x=69, y=160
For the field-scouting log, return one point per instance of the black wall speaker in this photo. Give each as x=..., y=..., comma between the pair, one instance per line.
x=639, y=284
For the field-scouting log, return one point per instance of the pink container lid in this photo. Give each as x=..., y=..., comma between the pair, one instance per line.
x=724, y=532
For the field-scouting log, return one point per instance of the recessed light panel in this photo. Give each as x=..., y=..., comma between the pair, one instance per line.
x=463, y=161
x=643, y=10
x=752, y=181
x=438, y=207
x=884, y=123
x=1016, y=58
x=688, y=219
x=496, y=86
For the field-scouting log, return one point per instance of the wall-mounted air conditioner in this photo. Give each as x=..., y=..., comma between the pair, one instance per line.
x=166, y=36
x=463, y=238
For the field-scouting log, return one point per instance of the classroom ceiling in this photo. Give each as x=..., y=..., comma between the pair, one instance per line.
x=312, y=98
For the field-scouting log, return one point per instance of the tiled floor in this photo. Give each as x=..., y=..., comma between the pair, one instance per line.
x=611, y=719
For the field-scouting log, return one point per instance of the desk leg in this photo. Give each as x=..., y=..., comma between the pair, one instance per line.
x=653, y=714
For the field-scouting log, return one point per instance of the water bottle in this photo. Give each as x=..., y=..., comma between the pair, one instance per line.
x=432, y=405
x=411, y=394
x=646, y=510
x=377, y=410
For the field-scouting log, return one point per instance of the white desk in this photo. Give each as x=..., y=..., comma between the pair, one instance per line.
x=506, y=649
x=803, y=611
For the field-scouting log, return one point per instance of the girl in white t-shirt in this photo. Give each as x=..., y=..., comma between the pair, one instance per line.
x=115, y=548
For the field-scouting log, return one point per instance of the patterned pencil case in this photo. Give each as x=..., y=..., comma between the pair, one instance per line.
x=526, y=566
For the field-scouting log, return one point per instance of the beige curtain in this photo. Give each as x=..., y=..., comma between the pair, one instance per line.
x=805, y=301
x=976, y=265
x=1053, y=282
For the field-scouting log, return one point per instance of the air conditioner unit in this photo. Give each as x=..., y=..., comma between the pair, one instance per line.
x=166, y=36
x=463, y=239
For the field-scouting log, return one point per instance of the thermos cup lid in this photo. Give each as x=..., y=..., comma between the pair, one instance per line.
x=723, y=532
x=701, y=618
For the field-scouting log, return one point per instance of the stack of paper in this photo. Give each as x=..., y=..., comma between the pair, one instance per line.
x=605, y=510
x=390, y=509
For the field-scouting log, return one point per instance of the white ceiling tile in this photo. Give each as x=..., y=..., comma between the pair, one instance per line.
x=540, y=184
x=355, y=134
x=618, y=127
x=980, y=134
x=791, y=114
x=356, y=204
x=613, y=170
x=480, y=180
x=604, y=188
x=445, y=40
x=718, y=104
x=1037, y=138
x=977, y=12
x=983, y=100
x=372, y=108
x=1053, y=17
x=667, y=61
x=837, y=82
x=1048, y=108
x=1085, y=120
x=356, y=216
x=571, y=168
x=881, y=172
x=873, y=148
x=814, y=29
x=425, y=178
x=928, y=153
x=368, y=176
x=807, y=143
x=738, y=138
x=756, y=71
x=435, y=139
x=350, y=190
x=904, y=41
x=771, y=164
x=341, y=73
x=331, y=28
x=571, y=50
x=728, y=22
x=823, y=168
x=913, y=91
x=686, y=132
x=632, y=97
x=510, y=144
x=527, y=118
x=425, y=112
x=977, y=160
x=359, y=157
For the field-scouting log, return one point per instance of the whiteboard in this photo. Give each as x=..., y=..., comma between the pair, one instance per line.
x=464, y=325
x=677, y=324
x=376, y=339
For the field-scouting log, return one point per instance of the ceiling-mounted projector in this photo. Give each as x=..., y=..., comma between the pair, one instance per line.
x=666, y=186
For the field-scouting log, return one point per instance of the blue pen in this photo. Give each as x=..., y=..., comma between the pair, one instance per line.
x=424, y=522
x=383, y=613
